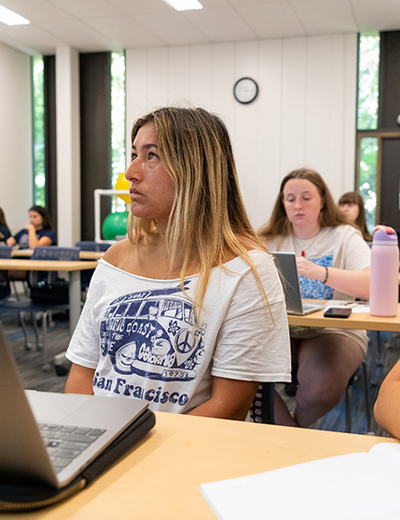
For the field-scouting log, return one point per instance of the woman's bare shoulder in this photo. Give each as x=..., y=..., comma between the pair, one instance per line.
x=118, y=253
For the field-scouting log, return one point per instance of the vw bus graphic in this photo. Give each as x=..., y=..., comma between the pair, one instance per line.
x=155, y=334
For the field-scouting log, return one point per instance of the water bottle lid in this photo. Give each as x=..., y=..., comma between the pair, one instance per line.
x=384, y=236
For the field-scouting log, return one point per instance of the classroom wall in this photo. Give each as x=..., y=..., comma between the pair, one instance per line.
x=15, y=137
x=304, y=114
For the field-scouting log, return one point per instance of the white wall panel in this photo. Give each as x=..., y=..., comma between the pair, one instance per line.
x=15, y=137
x=304, y=114
x=294, y=108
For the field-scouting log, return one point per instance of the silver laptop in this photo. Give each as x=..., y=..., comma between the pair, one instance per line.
x=287, y=266
x=51, y=437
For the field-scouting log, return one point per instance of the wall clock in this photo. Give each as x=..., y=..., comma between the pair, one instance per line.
x=245, y=90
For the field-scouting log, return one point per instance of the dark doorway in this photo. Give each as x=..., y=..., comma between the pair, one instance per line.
x=390, y=183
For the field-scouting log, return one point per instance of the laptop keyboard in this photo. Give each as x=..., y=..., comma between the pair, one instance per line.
x=65, y=443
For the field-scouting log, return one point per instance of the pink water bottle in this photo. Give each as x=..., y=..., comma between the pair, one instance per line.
x=384, y=286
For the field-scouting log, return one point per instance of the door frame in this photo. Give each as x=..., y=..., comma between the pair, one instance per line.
x=379, y=136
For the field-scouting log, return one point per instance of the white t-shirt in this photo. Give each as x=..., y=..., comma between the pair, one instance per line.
x=145, y=340
x=342, y=247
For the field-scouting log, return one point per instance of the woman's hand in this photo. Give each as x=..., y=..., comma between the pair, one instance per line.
x=309, y=269
x=353, y=283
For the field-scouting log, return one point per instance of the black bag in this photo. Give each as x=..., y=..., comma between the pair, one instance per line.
x=29, y=498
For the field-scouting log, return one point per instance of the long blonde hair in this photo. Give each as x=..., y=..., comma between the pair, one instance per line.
x=208, y=216
x=330, y=215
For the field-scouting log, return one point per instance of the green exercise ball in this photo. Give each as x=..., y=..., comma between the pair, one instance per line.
x=115, y=224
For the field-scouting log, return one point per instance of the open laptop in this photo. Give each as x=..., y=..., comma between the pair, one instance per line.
x=287, y=266
x=51, y=437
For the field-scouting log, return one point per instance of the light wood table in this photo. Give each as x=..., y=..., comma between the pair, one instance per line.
x=74, y=267
x=160, y=478
x=354, y=321
x=83, y=255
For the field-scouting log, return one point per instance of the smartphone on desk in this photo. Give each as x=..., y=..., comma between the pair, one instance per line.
x=337, y=312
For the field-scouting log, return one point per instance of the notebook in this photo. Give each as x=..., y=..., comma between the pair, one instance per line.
x=40, y=432
x=287, y=266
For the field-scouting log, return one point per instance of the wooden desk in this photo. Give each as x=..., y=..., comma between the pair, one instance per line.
x=354, y=321
x=57, y=265
x=161, y=477
x=83, y=255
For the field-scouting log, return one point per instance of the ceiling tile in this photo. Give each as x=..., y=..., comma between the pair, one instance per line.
x=126, y=31
x=383, y=15
x=80, y=36
x=36, y=10
x=221, y=24
x=275, y=19
x=33, y=40
x=325, y=16
x=86, y=8
x=172, y=27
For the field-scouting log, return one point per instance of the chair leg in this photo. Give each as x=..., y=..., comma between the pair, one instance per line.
x=348, y=408
x=21, y=315
x=36, y=330
x=366, y=393
x=46, y=364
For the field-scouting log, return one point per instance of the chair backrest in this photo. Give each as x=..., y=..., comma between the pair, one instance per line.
x=91, y=245
x=5, y=252
x=51, y=287
x=262, y=408
x=55, y=253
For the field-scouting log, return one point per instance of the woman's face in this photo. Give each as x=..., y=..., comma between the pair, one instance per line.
x=302, y=203
x=36, y=219
x=351, y=210
x=151, y=188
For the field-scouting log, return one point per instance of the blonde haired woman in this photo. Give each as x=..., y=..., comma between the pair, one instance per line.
x=333, y=263
x=187, y=313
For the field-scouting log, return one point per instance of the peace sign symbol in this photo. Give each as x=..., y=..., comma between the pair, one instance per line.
x=185, y=341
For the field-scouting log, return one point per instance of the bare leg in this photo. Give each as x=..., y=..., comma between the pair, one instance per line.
x=325, y=365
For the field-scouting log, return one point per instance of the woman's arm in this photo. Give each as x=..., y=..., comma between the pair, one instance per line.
x=80, y=380
x=11, y=241
x=353, y=283
x=387, y=406
x=230, y=399
x=34, y=241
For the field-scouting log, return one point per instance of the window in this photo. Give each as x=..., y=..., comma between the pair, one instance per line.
x=39, y=175
x=367, y=120
x=118, y=159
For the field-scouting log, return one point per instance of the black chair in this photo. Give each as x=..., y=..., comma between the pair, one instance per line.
x=348, y=395
x=90, y=245
x=262, y=408
x=49, y=294
x=5, y=291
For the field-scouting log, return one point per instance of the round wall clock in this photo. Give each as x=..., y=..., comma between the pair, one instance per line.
x=245, y=90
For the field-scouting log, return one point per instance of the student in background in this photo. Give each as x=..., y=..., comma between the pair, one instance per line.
x=4, y=231
x=387, y=405
x=38, y=232
x=352, y=205
x=333, y=262
x=189, y=312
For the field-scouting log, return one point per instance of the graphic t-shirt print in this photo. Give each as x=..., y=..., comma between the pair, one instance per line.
x=154, y=334
x=314, y=288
